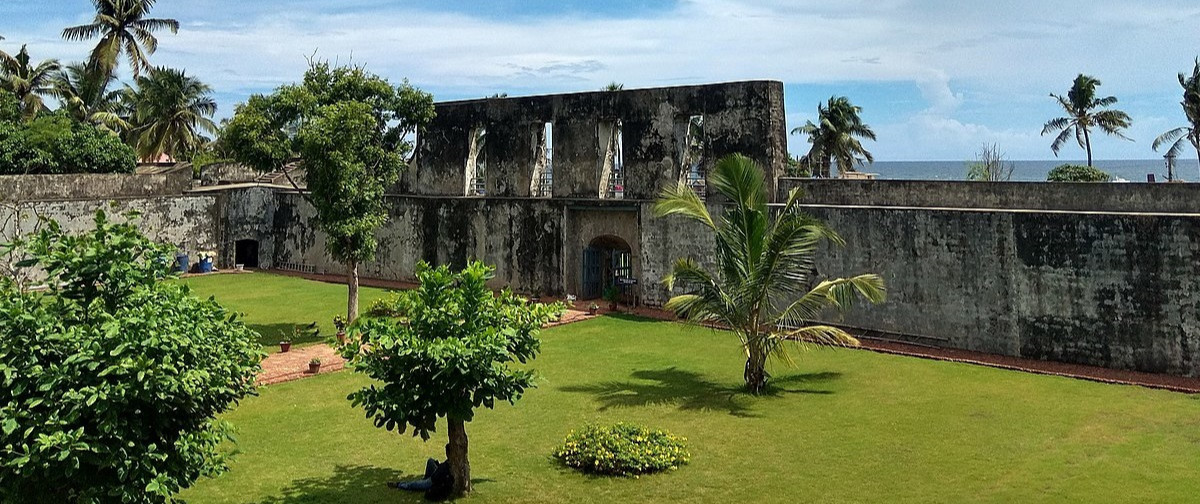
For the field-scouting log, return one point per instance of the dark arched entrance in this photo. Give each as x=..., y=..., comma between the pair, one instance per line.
x=607, y=262
x=246, y=253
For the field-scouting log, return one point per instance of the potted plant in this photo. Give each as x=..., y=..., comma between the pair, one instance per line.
x=285, y=344
x=593, y=308
x=339, y=323
x=314, y=366
x=612, y=294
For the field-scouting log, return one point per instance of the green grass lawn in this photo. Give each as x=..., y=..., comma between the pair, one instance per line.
x=846, y=426
x=275, y=304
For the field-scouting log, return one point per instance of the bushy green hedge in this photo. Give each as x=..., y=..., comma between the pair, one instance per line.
x=112, y=382
x=54, y=143
x=622, y=450
x=1077, y=173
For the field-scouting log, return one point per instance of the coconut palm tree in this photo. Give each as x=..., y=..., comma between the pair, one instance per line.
x=122, y=27
x=836, y=137
x=169, y=112
x=86, y=95
x=27, y=81
x=1081, y=106
x=1191, y=109
x=764, y=267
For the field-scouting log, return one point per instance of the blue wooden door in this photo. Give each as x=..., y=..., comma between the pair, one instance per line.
x=592, y=275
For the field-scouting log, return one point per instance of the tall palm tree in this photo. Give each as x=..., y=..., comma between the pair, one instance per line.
x=1191, y=109
x=835, y=137
x=27, y=81
x=169, y=113
x=764, y=266
x=122, y=27
x=1081, y=106
x=85, y=93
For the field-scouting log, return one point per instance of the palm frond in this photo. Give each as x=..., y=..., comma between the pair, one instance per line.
x=839, y=294
x=683, y=201
x=822, y=335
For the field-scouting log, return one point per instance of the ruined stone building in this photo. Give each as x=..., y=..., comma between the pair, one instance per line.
x=556, y=192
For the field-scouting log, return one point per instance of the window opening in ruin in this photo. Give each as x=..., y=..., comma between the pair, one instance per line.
x=476, y=163
x=542, y=183
x=691, y=155
x=612, y=160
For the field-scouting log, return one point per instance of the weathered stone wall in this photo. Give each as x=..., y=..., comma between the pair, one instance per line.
x=1105, y=289
x=523, y=238
x=1123, y=197
x=739, y=117
x=70, y=187
x=187, y=222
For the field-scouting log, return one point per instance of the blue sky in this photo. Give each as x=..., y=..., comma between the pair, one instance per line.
x=936, y=78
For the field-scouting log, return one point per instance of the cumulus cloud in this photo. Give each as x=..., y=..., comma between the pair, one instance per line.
x=962, y=56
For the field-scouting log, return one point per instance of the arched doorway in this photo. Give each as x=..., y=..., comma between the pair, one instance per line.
x=607, y=262
x=246, y=253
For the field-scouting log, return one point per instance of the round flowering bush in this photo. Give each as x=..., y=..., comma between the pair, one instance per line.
x=622, y=450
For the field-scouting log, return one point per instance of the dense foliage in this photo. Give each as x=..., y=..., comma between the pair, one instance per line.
x=170, y=112
x=454, y=348
x=54, y=143
x=763, y=285
x=111, y=382
x=622, y=450
x=1077, y=173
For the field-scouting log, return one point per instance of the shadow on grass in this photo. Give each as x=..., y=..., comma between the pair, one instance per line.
x=691, y=391
x=271, y=334
x=351, y=483
x=629, y=317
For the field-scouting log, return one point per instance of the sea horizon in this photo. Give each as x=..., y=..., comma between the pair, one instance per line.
x=1122, y=170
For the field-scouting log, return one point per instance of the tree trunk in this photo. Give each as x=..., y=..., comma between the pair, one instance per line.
x=756, y=373
x=1087, y=140
x=456, y=456
x=352, y=299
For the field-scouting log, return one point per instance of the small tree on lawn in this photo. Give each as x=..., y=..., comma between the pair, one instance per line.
x=112, y=381
x=354, y=131
x=761, y=288
x=453, y=348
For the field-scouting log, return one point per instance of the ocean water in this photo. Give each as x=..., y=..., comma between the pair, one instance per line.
x=1129, y=170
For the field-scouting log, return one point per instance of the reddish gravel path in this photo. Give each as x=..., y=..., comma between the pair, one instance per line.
x=282, y=367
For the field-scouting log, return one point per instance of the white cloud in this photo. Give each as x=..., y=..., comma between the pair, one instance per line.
x=1013, y=52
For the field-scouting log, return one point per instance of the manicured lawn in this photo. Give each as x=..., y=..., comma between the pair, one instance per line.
x=846, y=426
x=275, y=304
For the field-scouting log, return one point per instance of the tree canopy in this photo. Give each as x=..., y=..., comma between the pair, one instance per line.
x=1085, y=111
x=455, y=347
x=112, y=381
x=1180, y=136
x=122, y=27
x=55, y=143
x=835, y=137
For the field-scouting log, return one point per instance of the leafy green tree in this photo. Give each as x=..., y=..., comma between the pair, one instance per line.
x=764, y=267
x=454, y=348
x=1191, y=110
x=1076, y=173
x=27, y=81
x=54, y=143
x=122, y=27
x=1081, y=106
x=171, y=111
x=348, y=171
x=835, y=137
x=111, y=383
x=10, y=107
x=86, y=95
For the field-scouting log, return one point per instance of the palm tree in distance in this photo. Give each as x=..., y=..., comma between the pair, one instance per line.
x=27, y=81
x=169, y=113
x=86, y=95
x=764, y=268
x=1081, y=106
x=835, y=137
x=1191, y=109
x=122, y=27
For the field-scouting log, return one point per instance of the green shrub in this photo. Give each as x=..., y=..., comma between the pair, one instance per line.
x=1077, y=173
x=55, y=143
x=112, y=381
x=389, y=306
x=622, y=450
